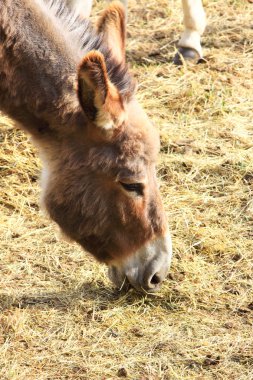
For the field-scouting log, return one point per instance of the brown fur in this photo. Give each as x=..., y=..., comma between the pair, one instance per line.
x=104, y=95
x=83, y=163
x=112, y=25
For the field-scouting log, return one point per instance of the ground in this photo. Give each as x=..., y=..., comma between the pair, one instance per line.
x=60, y=317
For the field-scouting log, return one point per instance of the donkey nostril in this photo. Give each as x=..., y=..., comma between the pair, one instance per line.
x=155, y=280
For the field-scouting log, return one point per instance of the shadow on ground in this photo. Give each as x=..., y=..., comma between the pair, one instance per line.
x=59, y=300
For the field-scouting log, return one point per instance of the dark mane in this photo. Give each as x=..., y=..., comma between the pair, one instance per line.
x=83, y=35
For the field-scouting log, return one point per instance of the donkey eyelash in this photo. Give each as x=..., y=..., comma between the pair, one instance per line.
x=137, y=188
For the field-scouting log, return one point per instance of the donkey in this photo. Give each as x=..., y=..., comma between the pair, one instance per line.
x=69, y=87
x=189, y=45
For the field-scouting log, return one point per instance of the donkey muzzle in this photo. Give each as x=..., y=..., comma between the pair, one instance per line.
x=147, y=268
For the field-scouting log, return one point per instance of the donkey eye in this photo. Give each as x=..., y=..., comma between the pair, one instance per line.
x=137, y=188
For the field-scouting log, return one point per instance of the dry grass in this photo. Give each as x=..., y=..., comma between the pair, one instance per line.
x=60, y=317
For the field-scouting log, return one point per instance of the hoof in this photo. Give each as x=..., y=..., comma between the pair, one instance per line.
x=187, y=54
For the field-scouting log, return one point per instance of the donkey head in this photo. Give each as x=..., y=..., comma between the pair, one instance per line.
x=101, y=187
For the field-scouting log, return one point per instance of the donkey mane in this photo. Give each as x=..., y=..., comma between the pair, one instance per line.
x=80, y=32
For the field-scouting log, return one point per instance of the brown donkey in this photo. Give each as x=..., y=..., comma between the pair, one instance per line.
x=69, y=87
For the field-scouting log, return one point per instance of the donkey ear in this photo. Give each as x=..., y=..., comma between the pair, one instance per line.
x=99, y=98
x=112, y=24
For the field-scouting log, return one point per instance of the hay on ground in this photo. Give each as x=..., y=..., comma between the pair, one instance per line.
x=60, y=316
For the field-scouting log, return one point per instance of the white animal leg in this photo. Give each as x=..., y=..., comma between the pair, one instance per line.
x=124, y=2
x=195, y=23
x=83, y=7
